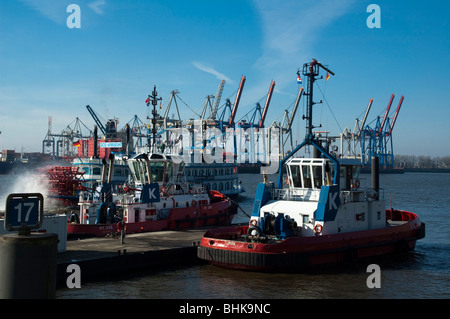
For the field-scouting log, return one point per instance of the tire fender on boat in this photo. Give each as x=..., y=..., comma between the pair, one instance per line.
x=256, y=235
x=73, y=218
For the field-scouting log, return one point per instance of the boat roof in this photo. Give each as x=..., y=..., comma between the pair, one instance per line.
x=320, y=161
x=157, y=157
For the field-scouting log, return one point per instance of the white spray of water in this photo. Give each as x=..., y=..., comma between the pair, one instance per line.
x=24, y=183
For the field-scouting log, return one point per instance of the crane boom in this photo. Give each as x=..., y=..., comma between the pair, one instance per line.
x=217, y=100
x=386, y=115
x=266, y=106
x=236, y=102
x=365, y=117
x=96, y=119
x=297, y=101
x=396, y=114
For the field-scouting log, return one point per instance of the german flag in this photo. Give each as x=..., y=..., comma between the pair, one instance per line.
x=77, y=143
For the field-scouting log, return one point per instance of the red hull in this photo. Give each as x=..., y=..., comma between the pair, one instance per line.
x=220, y=213
x=302, y=252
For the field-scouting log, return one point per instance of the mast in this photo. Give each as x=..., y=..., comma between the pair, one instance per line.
x=153, y=98
x=311, y=71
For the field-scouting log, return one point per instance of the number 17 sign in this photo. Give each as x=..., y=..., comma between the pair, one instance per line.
x=24, y=211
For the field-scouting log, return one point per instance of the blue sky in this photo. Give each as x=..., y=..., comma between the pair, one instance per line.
x=123, y=48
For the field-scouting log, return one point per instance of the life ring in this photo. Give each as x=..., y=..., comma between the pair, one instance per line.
x=286, y=181
x=163, y=189
x=356, y=184
x=253, y=222
x=318, y=228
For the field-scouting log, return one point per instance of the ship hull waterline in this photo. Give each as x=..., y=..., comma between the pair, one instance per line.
x=301, y=253
x=214, y=214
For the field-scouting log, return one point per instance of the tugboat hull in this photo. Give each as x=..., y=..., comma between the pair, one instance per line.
x=222, y=247
x=220, y=213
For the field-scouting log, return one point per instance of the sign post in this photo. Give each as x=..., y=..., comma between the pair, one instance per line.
x=24, y=212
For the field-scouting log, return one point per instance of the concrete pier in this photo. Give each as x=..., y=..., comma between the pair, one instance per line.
x=107, y=258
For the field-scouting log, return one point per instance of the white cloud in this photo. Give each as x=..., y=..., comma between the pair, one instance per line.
x=53, y=10
x=208, y=69
x=97, y=6
x=290, y=30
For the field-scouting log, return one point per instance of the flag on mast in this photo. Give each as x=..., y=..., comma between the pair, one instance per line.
x=328, y=76
x=299, y=80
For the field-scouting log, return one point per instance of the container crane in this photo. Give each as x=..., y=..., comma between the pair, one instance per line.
x=353, y=146
x=224, y=124
x=378, y=140
x=96, y=119
x=286, y=126
x=255, y=120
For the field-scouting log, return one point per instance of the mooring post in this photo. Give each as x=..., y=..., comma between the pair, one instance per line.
x=28, y=265
x=28, y=261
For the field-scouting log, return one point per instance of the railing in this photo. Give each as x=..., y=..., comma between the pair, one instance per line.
x=296, y=194
x=355, y=194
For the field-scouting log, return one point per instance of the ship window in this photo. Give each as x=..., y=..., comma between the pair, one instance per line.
x=118, y=172
x=355, y=170
x=317, y=176
x=306, y=170
x=305, y=219
x=378, y=215
x=157, y=170
x=296, y=175
x=96, y=171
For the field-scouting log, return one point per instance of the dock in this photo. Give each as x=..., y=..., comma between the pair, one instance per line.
x=108, y=258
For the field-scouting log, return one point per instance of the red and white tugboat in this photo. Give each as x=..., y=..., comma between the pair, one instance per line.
x=159, y=199
x=320, y=216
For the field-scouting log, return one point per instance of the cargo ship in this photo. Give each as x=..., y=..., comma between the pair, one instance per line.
x=317, y=214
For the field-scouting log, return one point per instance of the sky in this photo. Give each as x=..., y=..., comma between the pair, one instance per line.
x=121, y=49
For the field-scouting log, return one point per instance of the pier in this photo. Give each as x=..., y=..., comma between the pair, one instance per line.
x=108, y=258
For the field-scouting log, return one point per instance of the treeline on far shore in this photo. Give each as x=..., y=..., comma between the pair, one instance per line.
x=422, y=162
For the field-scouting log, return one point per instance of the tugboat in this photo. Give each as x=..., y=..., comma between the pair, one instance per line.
x=317, y=215
x=158, y=197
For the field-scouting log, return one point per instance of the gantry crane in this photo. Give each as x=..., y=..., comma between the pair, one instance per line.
x=377, y=140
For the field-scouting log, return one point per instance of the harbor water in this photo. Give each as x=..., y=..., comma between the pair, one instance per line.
x=421, y=274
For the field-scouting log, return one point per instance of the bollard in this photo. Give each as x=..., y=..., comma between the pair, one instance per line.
x=28, y=266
